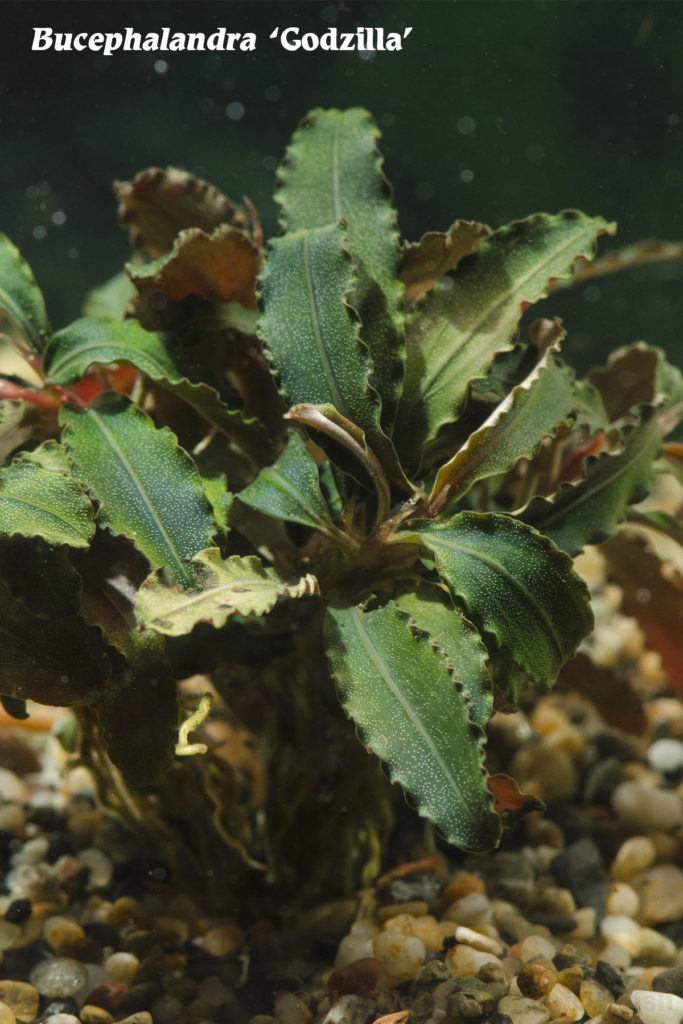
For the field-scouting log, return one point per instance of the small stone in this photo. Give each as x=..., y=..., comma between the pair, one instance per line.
x=35, y=882
x=61, y=1018
x=473, y=911
x=661, y=894
x=617, y=1013
x=9, y=933
x=99, y=866
x=428, y=929
x=670, y=980
x=633, y=856
x=655, y=948
x=18, y=911
x=12, y=817
x=6, y=1014
x=414, y=908
x=646, y=808
x=607, y=975
x=595, y=997
x=476, y=940
x=623, y=931
x=622, y=899
x=666, y=756
x=521, y=1010
x=21, y=997
x=616, y=956
x=168, y=1009
x=462, y=884
x=122, y=966
x=657, y=1007
x=585, y=923
x=537, y=978
x=223, y=941
x=563, y=1003
x=213, y=991
x=95, y=1015
x=580, y=869
x=352, y=948
x=64, y=935
x=536, y=945
x=350, y=1010
x=474, y=1000
x=400, y=956
x=358, y=979
x=59, y=976
x=571, y=978
x=464, y=961
x=428, y=977
x=32, y=852
x=141, y=1017
x=12, y=788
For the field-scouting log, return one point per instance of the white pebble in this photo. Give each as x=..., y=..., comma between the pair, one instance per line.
x=32, y=852
x=478, y=941
x=657, y=1007
x=586, y=922
x=563, y=1003
x=536, y=945
x=61, y=1018
x=400, y=956
x=523, y=1011
x=99, y=866
x=623, y=931
x=622, y=900
x=463, y=961
x=647, y=808
x=12, y=788
x=473, y=911
x=666, y=756
x=353, y=947
x=616, y=955
x=121, y=966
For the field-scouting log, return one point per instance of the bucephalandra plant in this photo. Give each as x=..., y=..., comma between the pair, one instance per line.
x=336, y=463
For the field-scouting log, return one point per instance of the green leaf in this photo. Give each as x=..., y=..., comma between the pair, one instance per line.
x=457, y=639
x=453, y=337
x=148, y=488
x=290, y=488
x=533, y=410
x=62, y=662
x=40, y=498
x=224, y=588
x=588, y=511
x=20, y=297
x=111, y=298
x=411, y=713
x=103, y=340
x=516, y=586
x=220, y=498
x=332, y=172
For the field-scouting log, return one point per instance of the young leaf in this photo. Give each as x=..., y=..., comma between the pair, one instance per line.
x=40, y=498
x=458, y=641
x=290, y=488
x=515, y=429
x=61, y=662
x=453, y=337
x=516, y=586
x=148, y=488
x=103, y=340
x=20, y=297
x=588, y=511
x=241, y=586
x=411, y=713
x=332, y=172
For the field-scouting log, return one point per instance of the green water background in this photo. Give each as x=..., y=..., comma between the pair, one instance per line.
x=493, y=110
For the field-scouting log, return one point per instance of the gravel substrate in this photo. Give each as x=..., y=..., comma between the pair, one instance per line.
x=579, y=915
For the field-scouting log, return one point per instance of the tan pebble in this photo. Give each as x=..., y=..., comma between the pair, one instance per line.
x=622, y=931
x=569, y=739
x=616, y=955
x=618, y=1013
x=463, y=961
x=427, y=929
x=21, y=997
x=538, y=762
x=586, y=922
x=595, y=997
x=476, y=940
x=141, y=1017
x=447, y=929
x=472, y=910
x=667, y=847
x=623, y=899
x=64, y=935
x=563, y=1003
x=224, y=941
x=523, y=1011
x=400, y=956
x=127, y=911
x=95, y=1015
x=7, y=1014
x=655, y=948
x=548, y=716
x=571, y=978
x=635, y=854
x=462, y=884
x=121, y=966
x=661, y=895
x=415, y=908
x=536, y=945
x=12, y=817
x=171, y=930
x=12, y=788
x=537, y=978
x=402, y=923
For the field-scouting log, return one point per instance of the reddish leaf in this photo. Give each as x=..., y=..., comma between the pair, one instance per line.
x=424, y=262
x=509, y=799
x=158, y=204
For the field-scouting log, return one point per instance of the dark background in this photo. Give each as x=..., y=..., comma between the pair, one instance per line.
x=493, y=110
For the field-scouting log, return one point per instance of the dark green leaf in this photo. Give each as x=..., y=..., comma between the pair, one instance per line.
x=20, y=297
x=148, y=488
x=411, y=713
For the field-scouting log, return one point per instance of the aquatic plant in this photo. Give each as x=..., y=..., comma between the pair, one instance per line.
x=336, y=464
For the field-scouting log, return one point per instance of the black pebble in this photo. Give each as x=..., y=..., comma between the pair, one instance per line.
x=670, y=980
x=102, y=933
x=60, y=846
x=49, y=819
x=580, y=869
x=609, y=977
x=18, y=911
